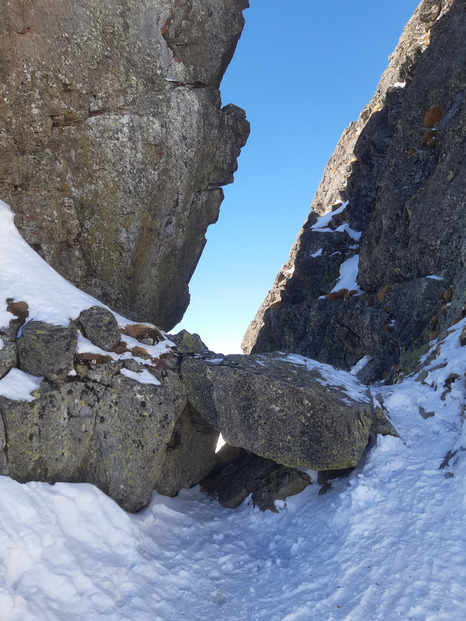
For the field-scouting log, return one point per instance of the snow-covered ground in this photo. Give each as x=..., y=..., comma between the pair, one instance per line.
x=389, y=542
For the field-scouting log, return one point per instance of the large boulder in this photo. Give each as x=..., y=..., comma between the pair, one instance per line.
x=113, y=141
x=286, y=408
x=113, y=436
x=383, y=251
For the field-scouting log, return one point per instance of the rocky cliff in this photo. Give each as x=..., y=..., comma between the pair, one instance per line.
x=113, y=141
x=378, y=268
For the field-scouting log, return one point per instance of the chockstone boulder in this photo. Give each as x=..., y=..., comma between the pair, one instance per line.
x=139, y=417
x=286, y=408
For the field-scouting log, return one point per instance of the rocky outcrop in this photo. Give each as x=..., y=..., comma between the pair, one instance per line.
x=289, y=409
x=137, y=416
x=114, y=142
x=105, y=417
x=380, y=262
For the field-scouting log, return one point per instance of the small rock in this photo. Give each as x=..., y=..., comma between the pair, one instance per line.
x=425, y=415
x=187, y=343
x=100, y=327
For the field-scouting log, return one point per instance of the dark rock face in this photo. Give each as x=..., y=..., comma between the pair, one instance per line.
x=238, y=474
x=114, y=143
x=395, y=187
x=293, y=411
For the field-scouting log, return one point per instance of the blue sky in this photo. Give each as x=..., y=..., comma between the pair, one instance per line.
x=303, y=70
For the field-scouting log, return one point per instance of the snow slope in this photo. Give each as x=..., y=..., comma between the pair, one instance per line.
x=389, y=542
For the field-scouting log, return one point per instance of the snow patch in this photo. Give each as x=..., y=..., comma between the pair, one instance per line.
x=348, y=274
x=332, y=377
x=144, y=377
x=360, y=365
x=323, y=222
x=18, y=385
x=25, y=276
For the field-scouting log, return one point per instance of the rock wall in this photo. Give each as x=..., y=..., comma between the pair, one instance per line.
x=384, y=271
x=113, y=141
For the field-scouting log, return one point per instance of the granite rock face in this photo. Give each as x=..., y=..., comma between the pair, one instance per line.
x=114, y=143
x=291, y=410
x=391, y=209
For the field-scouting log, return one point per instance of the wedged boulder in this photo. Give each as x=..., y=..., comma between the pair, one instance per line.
x=189, y=455
x=100, y=327
x=290, y=409
x=82, y=431
x=48, y=350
